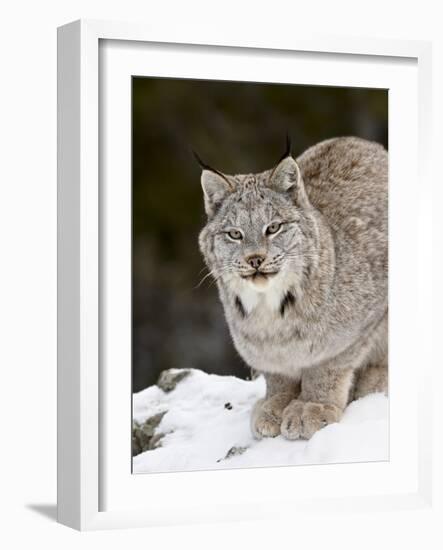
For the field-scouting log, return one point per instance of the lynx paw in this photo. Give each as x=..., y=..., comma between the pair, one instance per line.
x=266, y=415
x=301, y=420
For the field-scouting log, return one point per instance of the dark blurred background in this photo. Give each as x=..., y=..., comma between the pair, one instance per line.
x=235, y=127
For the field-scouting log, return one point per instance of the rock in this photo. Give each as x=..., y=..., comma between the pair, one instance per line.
x=144, y=437
x=155, y=441
x=143, y=434
x=169, y=379
x=233, y=451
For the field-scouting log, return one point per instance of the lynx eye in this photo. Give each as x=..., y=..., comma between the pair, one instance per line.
x=235, y=234
x=273, y=228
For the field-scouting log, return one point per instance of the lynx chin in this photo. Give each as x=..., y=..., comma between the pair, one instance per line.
x=300, y=256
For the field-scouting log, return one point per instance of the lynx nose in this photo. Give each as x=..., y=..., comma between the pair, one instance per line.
x=255, y=261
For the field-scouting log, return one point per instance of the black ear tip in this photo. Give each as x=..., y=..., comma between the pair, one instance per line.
x=199, y=161
x=288, y=151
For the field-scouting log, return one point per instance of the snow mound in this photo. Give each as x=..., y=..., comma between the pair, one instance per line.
x=206, y=427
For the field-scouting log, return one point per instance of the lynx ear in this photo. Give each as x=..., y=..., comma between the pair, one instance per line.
x=216, y=186
x=286, y=178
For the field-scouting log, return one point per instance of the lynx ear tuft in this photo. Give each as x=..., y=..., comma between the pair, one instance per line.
x=288, y=150
x=216, y=187
x=286, y=178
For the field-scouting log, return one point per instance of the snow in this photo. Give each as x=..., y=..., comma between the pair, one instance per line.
x=206, y=427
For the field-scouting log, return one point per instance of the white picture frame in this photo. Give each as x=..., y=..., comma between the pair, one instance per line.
x=95, y=486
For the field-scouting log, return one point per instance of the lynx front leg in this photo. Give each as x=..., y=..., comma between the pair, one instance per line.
x=323, y=397
x=266, y=416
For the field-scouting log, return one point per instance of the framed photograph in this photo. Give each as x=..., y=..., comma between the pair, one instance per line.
x=244, y=234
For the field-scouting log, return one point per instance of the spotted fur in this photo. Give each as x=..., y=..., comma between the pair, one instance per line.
x=315, y=323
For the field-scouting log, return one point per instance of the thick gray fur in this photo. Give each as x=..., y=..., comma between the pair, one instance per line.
x=318, y=326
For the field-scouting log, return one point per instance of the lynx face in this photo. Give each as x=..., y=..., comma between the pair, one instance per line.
x=254, y=236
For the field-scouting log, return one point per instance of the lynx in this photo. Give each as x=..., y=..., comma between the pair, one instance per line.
x=300, y=257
